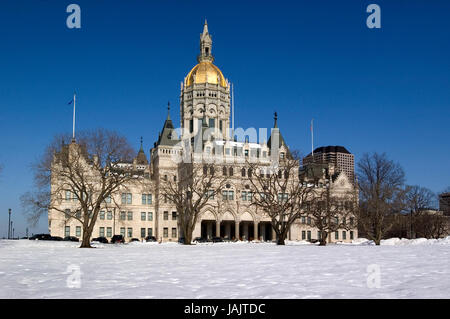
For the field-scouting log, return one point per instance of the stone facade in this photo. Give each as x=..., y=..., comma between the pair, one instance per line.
x=205, y=110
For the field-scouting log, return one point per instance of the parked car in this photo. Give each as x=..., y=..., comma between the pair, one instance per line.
x=181, y=240
x=217, y=240
x=134, y=239
x=56, y=238
x=71, y=238
x=199, y=240
x=102, y=240
x=117, y=239
x=150, y=239
x=40, y=237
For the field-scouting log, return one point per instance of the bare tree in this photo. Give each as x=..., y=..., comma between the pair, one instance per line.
x=417, y=200
x=431, y=225
x=331, y=211
x=381, y=194
x=278, y=192
x=196, y=185
x=90, y=172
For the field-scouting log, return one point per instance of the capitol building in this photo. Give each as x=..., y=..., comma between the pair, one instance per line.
x=206, y=112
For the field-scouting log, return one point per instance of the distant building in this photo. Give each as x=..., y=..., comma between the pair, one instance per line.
x=444, y=203
x=343, y=160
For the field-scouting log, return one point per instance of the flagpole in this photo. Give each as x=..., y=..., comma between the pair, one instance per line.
x=73, y=127
x=312, y=139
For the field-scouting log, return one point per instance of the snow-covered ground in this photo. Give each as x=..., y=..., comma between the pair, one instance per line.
x=397, y=269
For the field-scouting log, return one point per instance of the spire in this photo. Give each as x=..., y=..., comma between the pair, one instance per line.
x=275, y=117
x=205, y=45
x=141, y=158
x=205, y=28
x=168, y=110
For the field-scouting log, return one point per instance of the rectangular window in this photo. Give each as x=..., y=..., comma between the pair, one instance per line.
x=344, y=235
x=244, y=196
x=126, y=198
x=67, y=213
x=212, y=123
x=149, y=232
x=309, y=235
x=309, y=221
x=122, y=215
x=230, y=195
x=303, y=220
x=102, y=215
x=191, y=126
x=78, y=231
x=143, y=215
x=174, y=232
x=109, y=216
x=150, y=216
x=174, y=215
x=221, y=125
x=130, y=232
x=142, y=232
x=108, y=232
x=130, y=215
x=146, y=199
x=101, y=232
x=336, y=235
x=68, y=197
x=303, y=235
x=122, y=231
x=166, y=232
x=166, y=215
x=78, y=214
x=108, y=199
x=67, y=231
x=351, y=235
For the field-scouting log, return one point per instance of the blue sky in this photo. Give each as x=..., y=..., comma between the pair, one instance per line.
x=384, y=90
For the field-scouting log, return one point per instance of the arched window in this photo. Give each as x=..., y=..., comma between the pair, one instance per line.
x=249, y=172
x=230, y=171
x=205, y=170
x=211, y=171
x=224, y=171
x=243, y=172
x=286, y=174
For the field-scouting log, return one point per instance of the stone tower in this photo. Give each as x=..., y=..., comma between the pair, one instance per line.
x=205, y=95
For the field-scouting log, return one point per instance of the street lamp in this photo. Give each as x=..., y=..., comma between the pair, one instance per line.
x=9, y=223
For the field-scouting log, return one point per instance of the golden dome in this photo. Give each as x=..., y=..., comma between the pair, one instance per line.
x=205, y=72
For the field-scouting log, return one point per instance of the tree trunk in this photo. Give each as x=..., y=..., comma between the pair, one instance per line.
x=281, y=238
x=86, y=242
x=323, y=239
x=187, y=235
